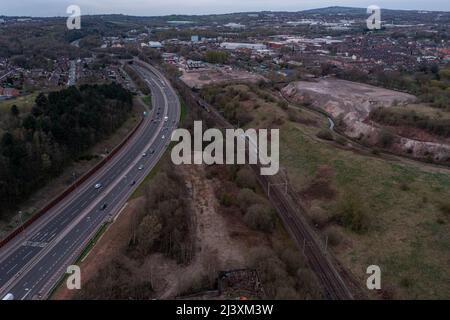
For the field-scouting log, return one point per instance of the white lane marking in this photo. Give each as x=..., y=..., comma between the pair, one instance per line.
x=11, y=268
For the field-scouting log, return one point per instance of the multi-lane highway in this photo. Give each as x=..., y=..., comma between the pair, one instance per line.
x=33, y=262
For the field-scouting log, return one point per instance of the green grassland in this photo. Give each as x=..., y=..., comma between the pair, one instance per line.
x=406, y=205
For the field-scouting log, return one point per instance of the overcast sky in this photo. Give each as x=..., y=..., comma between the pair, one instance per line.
x=165, y=7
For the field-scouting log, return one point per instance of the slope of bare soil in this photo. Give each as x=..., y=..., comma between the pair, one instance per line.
x=352, y=103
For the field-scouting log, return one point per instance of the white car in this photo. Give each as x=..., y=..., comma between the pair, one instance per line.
x=141, y=167
x=144, y=154
x=163, y=137
x=98, y=186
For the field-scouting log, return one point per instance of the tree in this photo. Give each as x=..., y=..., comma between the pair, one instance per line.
x=386, y=138
x=14, y=110
x=260, y=217
x=325, y=134
x=248, y=197
x=216, y=56
x=352, y=214
x=148, y=231
x=245, y=178
x=41, y=100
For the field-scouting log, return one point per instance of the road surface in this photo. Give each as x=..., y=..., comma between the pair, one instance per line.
x=33, y=262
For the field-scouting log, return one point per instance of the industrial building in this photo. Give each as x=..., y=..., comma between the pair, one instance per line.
x=237, y=45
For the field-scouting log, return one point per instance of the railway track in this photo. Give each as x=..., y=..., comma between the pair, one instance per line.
x=335, y=284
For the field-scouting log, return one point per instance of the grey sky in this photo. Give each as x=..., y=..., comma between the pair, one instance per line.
x=164, y=7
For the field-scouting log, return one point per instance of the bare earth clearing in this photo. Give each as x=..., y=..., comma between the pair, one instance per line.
x=199, y=79
x=216, y=249
x=352, y=102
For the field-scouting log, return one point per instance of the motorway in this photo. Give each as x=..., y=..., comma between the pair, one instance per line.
x=35, y=260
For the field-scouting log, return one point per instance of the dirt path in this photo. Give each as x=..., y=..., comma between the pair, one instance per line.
x=216, y=247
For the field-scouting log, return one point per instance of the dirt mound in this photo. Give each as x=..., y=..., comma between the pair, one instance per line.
x=352, y=102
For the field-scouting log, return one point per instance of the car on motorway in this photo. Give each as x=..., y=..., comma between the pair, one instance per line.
x=104, y=206
x=98, y=186
x=163, y=137
x=166, y=118
x=9, y=296
x=141, y=167
x=144, y=154
x=152, y=151
x=133, y=183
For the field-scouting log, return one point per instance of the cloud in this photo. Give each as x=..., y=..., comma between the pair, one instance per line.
x=158, y=7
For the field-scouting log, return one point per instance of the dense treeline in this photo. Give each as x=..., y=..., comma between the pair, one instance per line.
x=439, y=126
x=166, y=219
x=60, y=126
x=216, y=56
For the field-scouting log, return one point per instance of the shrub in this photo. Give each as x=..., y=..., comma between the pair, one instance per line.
x=404, y=187
x=341, y=140
x=293, y=260
x=226, y=199
x=245, y=178
x=260, y=217
x=319, y=217
x=325, y=134
x=334, y=236
x=386, y=138
x=351, y=214
x=248, y=197
x=283, y=105
x=148, y=232
x=445, y=208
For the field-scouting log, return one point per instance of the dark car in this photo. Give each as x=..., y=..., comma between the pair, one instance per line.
x=104, y=206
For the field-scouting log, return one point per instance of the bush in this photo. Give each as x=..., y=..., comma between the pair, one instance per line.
x=341, y=140
x=325, y=134
x=386, y=138
x=319, y=217
x=148, y=232
x=248, y=197
x=445, y=208
x=245, y=178
x=404, y=187
x=334, y=236
x=351, y=214
x=243, y=117
x=283, y=105
x=226, y=199
x=293, y=260
x=260, y=217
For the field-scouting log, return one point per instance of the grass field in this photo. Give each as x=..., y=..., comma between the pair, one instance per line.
x=409, y=234
x=407, y=206
x=24, y=103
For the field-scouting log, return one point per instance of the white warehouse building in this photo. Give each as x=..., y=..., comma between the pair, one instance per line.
x=237, y=45
x=155, y=44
